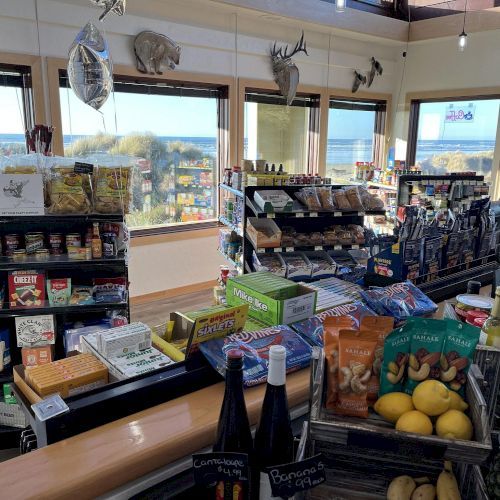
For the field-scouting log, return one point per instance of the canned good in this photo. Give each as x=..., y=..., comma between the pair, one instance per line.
x=42, y=254
x=56, y=242
x=12, y=242
x=34, y=242
x=73, y=240
x=19, y=255
x=468, y=302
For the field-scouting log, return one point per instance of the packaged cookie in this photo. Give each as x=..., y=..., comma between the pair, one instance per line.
x=112, y=189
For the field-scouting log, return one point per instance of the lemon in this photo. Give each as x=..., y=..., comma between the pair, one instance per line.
x=415, y=421
x=431, y=397
x=457, y=403
x=454, y=424
x=392, y=405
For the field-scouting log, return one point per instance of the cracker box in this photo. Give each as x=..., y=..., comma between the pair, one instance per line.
x=26, y=289
x=34, y=356
x=35, y=331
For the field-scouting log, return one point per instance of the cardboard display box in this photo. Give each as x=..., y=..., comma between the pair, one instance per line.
x=273, y=200
x=264, y=233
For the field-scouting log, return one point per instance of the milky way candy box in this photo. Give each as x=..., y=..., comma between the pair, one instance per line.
x=26, y=288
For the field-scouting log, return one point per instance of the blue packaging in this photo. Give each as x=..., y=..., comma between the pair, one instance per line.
x=312, y=329
x=401, y=300
x=256, y=347
x=5, y=337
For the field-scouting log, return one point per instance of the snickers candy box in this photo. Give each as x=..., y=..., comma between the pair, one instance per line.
x=26, y=288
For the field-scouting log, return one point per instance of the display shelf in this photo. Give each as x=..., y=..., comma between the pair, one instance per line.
x=231, y=190
x=51, y=218
x=203, y=169
x=302, y=248
x=73, y=309
x=299, y=211
x=236, y=229
x=231, y=261
x=60, y=262
x=381, y=186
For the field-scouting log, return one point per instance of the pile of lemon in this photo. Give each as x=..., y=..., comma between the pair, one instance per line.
x=430, y=399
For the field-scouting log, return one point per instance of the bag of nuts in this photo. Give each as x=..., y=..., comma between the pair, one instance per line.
x=458, y=353
x=427, y=340
x=356, y=354
x=331, y=329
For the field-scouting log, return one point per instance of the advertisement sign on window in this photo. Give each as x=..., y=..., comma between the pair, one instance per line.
x=460, y=113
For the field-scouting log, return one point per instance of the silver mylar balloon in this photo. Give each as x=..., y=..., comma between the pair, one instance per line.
x=90, y=70
x=115, y=6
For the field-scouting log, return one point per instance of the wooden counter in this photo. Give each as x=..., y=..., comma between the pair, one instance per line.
x=100, y=460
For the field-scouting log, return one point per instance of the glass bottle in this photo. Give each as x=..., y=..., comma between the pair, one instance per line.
x=490, y=333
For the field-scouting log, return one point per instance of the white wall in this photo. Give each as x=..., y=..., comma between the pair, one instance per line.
x=209, y=42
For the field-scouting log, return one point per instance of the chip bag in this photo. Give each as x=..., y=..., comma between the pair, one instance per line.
x=332, y=327
x=356, y=354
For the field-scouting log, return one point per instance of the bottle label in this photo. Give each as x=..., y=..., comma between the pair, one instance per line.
x=265, y=492
x=229, y=490
x=483, y=336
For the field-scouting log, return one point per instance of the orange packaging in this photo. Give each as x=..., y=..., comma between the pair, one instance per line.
x=382, y=326
x=34, y=356
x=331, y=329
x=356, y=354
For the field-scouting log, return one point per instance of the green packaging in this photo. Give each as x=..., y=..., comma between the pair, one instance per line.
x=267, y=284
x=458, y=354
x=396, y=355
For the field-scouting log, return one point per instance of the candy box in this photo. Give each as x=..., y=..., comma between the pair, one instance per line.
x=26, y=288
x=34, y=331
x=34, y=356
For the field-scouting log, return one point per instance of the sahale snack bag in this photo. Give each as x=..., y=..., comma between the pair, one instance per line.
x=312, y=329
x=256, y=347
x=427, y=340
x=381, y=326
x=458, y=353
x=356, y=354
x=396, y=355
x=332, y=327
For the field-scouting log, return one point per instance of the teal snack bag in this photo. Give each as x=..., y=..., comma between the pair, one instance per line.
x=458, y=354
x=427, y=341
x=396, y=355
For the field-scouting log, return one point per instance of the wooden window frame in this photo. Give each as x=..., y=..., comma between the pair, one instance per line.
x=153, y=234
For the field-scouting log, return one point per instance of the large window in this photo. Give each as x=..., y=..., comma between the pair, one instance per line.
x=355, y=134
x=170, y=131
x=453, y=135
x=16, y=108
x=282, y=134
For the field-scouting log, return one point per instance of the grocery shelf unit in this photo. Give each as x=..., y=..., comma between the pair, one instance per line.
x=81, y=272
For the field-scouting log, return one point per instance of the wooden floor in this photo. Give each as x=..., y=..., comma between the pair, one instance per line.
x=157, y=312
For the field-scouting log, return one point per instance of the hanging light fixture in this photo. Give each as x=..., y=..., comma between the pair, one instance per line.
x=340, y=5
x=462, y=38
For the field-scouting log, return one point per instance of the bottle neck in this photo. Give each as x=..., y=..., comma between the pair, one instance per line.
x=277, y=372
x=495, y=311
x=234, y=382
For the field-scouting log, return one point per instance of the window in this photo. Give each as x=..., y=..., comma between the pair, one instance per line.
x=16, y=106
x=282, y=134
x=171, y=131
x=355, y=134
x=453, y=135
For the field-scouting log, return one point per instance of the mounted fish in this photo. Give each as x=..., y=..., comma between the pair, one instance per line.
x=155, y=52
x=285, y=72
x=90, y=70
x=111, y=6
x=376, y=69
x=358, y=80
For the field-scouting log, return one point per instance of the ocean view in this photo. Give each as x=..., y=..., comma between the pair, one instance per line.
x=339, y=151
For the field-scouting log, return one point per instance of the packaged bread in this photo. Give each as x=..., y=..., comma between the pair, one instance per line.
x=20, y=164
x=354, y=198
x=340, y=200
x=112, y=189
x=326, y=198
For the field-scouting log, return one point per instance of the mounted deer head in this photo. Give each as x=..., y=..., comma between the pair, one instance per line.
x=286, y=74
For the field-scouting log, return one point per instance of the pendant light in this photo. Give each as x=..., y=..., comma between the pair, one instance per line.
x=462, y=38
x=340, y=5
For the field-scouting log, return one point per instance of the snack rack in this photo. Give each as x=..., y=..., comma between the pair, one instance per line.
x=60, y=266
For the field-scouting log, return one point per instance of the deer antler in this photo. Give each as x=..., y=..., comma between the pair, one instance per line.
x=299, y=47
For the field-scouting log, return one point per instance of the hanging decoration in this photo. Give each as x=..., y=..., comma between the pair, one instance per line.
x=285, y=72
x=155, y=52
x=359, y=79
x=376, y=69
x=90, y=70
x=111, y=6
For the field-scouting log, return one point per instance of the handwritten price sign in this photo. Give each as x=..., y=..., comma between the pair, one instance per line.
x=212, y=467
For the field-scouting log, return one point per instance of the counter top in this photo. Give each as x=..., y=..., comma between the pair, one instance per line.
x=100, y=460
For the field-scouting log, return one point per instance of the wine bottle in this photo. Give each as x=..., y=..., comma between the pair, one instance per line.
x=490, y=332
x=233, y=431
x=274, y=437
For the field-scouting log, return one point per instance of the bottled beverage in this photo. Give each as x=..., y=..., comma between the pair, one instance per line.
x=266, y=171
x=280, y=169
x=233, y=431
x=96, y=242
x=490, y=333
x=473, y=287
x=274, y=437
x=273, y=168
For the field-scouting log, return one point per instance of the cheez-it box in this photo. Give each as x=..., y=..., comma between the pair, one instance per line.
x=26, y=289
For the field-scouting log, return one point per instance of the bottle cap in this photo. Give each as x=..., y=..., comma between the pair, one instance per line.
x=235, y=359
x=277, y=352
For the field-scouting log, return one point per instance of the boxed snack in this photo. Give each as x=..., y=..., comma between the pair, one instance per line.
x=256, y=347
x=81, y=296
x=272, y=263
x=34, y=331
x=26, y=288
x=34, y=356
x=123, y=339
x=298, y=267
x=263, y=233
x=268, y=284
x=110, y=290
x=322, y=265
x=281, y=306
x=59, y=291
x=112, y=189
x=273, y=200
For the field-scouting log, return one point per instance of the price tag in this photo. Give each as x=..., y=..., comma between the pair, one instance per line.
x=209, y=468
x=299, y=214
x=337, y=214
x=288, y=479
x=318, y=248
x=271, y=216
x=261, y=250
x=361, y=214
x=313, y=214
x=277, y=250
x=289, y=249
x=337, y=247
x=355, y=247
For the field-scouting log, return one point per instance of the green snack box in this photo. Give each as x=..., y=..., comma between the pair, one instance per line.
x=274, y=306
x=267, y=284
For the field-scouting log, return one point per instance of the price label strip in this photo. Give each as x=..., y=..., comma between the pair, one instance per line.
x=210, y=468
x=288, y=479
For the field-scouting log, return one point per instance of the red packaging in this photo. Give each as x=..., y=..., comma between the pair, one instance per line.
x=26, y=289
x=34, y=356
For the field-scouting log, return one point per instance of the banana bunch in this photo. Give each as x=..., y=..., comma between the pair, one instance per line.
x=407, y=488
